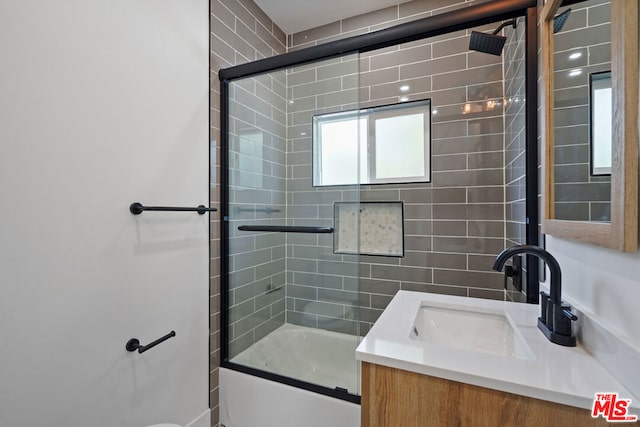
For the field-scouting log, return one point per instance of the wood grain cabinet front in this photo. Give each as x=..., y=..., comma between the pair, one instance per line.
x=396, y=398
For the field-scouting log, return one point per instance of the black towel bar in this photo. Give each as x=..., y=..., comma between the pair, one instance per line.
x=137, y=208
x=134, y=344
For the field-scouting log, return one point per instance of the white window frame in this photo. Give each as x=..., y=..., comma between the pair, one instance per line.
x=371, y=115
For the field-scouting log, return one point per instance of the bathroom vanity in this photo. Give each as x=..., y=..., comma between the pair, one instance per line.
x=394, y=397
x=445, y=360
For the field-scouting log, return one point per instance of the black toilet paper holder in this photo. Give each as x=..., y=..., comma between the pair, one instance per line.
x=134, y=344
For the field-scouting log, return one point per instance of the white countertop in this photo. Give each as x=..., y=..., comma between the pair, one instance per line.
x=566, y=375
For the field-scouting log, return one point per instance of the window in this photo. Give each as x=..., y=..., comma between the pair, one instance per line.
x=388, y=144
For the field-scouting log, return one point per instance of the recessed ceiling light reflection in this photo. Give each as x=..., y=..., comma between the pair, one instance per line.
x=404, y=99
x=303, y=134
x=404, y=88
x=434, y=111
x=575, y=55
x=574, y=73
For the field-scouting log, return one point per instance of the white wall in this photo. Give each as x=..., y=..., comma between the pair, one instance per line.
x=604, y=286
x=604, y=282
x=102, y=103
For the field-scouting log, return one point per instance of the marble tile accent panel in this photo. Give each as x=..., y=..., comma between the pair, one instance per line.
x=369, y=228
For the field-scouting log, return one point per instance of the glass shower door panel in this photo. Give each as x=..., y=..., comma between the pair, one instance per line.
x=293, y=302
x=256, y=196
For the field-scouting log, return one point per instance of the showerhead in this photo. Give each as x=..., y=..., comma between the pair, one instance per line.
x=489, y=43
x=559, y=20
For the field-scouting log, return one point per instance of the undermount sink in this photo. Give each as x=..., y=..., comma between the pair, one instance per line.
x=466, y=328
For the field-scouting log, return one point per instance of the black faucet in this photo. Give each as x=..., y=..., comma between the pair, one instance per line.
x=555, y=317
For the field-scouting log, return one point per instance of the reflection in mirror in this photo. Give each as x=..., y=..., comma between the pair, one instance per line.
x=582, y=115
x=600, y=102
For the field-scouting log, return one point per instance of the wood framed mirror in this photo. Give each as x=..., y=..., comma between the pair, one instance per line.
x=596, y=208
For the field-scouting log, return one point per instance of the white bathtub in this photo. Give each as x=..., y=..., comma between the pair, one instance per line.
x=312, y=355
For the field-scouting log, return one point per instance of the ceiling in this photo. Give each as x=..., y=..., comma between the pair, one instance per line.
x=293, y=16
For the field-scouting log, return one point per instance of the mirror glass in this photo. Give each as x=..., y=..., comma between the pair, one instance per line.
x=582, y=111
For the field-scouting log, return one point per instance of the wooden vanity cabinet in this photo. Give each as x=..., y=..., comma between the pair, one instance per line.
x=396, y=398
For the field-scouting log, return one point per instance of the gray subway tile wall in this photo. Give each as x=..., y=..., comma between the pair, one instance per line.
x=241, y=32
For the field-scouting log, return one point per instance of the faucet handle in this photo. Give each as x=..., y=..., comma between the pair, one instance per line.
x=544, y=302
x=566, y=310
x=562, y=317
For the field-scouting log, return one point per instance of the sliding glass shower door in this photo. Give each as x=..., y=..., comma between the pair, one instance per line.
x=292, y=275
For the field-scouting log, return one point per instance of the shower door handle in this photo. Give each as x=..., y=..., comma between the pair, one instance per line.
x=286, y=229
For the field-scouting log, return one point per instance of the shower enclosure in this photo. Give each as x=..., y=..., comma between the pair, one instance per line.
x=308, y=138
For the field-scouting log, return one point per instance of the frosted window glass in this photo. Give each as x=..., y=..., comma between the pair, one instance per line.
x=339, y=151
x=376, y=145
x=399, y=146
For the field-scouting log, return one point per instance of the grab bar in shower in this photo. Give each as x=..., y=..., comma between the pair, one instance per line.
x=137, y=208
x=134, y=344
x=286, y=229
